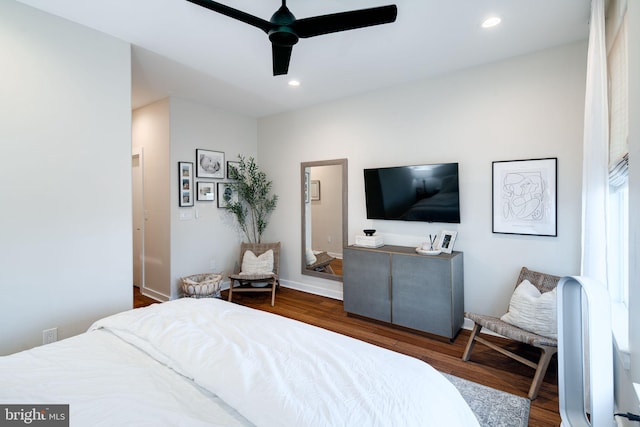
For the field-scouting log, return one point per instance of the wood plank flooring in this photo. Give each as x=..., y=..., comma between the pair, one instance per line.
x=486, y=366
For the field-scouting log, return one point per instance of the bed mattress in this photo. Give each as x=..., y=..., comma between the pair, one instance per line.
x=197, y=362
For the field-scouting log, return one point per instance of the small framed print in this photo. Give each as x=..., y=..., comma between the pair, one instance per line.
x=227, y=193
x=206, y=191
x=209, y=164
x=231, y=168
x=446, y=241
x=185, y=184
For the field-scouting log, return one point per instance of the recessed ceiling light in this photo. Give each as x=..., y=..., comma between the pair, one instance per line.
x=491, y=22
x=294, y=83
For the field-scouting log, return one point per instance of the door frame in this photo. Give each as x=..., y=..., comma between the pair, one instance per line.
x=139, y=154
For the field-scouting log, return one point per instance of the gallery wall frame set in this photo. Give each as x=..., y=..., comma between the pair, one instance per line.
x=524, y=197
x=209, y=164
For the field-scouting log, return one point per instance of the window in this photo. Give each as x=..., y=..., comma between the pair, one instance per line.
x=618, y=244
x=618, y=209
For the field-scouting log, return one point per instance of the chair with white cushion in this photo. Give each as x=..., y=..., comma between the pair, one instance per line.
x=259, y=264
x=531, y=320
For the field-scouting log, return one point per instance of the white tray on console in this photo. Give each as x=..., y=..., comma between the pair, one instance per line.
x=426, y=252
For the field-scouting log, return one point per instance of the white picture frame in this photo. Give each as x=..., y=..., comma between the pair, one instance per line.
x=447, y=240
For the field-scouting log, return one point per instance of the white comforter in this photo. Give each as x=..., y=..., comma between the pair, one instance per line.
x=272, y=370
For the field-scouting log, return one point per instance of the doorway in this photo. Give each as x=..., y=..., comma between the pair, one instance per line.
x=137, y=203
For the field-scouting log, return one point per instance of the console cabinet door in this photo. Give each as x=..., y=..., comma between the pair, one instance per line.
x=366, y=279
x=422, y=293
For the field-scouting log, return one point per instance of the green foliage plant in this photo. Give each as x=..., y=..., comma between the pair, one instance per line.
x=255, y=201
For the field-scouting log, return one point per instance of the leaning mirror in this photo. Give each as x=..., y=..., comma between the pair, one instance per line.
x=324, y=217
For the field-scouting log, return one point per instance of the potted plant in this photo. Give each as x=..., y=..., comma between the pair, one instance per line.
x=255, y=203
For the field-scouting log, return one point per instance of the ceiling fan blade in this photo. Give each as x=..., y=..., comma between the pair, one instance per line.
x=325, y=24
x=264, y=25
x=281, y=56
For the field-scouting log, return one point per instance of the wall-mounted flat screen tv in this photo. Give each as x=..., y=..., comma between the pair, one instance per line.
x=413, y=193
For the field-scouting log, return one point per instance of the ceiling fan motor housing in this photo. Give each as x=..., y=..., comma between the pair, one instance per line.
x=282, y=34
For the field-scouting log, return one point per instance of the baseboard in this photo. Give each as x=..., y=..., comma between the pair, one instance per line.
x=315, y=290
x=148, y=292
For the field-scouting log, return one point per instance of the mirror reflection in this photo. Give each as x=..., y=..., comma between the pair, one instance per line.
x=324, y=217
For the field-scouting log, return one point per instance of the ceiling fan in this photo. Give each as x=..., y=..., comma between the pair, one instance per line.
x=284, y=29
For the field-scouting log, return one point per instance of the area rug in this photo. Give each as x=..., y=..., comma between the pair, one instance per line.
x=493, y=408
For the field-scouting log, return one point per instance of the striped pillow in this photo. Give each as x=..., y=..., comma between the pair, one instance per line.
x=533, y=311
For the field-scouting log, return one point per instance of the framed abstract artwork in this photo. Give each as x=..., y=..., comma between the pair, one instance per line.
x=525, y=197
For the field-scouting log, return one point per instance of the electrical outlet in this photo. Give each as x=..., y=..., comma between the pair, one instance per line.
x=49, y=335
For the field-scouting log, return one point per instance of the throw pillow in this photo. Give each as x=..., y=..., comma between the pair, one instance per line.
x=252, y=264
x=533, y=311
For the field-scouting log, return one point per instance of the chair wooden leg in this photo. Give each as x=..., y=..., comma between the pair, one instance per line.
x=273, y=293
x=230, y=290
x=541, y=370
x=472, y=341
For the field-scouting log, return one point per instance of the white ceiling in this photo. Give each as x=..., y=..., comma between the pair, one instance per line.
x=181, y=49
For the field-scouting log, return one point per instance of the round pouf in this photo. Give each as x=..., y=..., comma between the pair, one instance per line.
x=202, y=285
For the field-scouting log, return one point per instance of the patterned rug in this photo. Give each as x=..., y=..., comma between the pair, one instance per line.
x=493, y=408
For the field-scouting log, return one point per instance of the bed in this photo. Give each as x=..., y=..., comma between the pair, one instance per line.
x=208, y=362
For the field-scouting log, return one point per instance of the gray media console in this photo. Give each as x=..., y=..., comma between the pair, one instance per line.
x=397, y=285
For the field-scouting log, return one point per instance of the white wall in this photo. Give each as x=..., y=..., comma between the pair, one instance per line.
x=523, y=108
x=211, y=240
x=65, y=168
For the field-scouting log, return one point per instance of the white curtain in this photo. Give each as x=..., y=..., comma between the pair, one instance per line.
x=595, y=168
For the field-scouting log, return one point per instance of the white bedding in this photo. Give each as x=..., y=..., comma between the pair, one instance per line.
x=273, y=371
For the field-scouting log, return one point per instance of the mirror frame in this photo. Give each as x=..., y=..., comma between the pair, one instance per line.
x=345, y=234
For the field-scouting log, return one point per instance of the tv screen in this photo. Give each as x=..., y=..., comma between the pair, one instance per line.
x=413, y=193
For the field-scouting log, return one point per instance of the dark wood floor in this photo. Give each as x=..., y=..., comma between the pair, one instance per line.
x=485, y=367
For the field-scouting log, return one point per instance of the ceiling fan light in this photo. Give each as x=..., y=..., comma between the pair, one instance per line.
x=491, y=22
